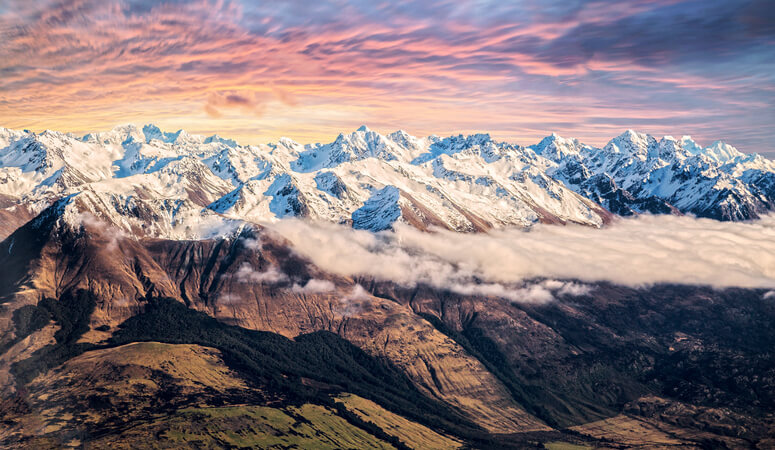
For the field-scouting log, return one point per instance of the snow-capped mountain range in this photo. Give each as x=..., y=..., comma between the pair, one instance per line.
x=177, y=185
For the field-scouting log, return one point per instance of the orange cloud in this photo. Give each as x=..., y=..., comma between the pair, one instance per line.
x=83, y=65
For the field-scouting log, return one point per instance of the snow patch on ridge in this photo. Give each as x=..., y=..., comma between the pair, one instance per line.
x=151, y=181
x=379, y=212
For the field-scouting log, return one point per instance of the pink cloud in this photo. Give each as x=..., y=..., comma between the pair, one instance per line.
x=86, y=65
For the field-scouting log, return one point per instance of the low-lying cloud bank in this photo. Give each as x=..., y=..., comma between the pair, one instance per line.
x=634, y=252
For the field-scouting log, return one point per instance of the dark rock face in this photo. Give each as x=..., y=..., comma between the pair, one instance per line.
x=379, y=212
x=636, y=173
x=329, y=182
x=603, y=352
x=686, y=358
x=602, y=189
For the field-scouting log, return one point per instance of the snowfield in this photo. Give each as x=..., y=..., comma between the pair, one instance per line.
x=177, y=185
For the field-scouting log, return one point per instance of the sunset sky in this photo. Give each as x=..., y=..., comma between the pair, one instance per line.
x=255, y=71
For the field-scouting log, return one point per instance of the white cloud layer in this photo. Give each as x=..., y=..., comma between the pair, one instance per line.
x=272, y=275
x=314, y=286
x=113, y=234
x=354, y=302
x=634, y=252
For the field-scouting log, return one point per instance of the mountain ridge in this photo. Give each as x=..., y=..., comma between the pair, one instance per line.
x=161, y=182
x=601, y=362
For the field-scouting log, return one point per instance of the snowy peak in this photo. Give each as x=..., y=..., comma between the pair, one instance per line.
x=718, y=151
x=152, y=132
x=132, y=134
x=668, y=149
x=132, y=217
x=690, y=145
x=407, y=141
x=722, y=152
x=631, y=144
x=358, y=145
x=556, y=148
x=220, y=140
x=480, y=144
x=119, y=135
x=670, y=175
x=152, y=182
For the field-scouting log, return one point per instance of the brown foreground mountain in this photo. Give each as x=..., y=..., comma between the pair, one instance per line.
x=113, y=342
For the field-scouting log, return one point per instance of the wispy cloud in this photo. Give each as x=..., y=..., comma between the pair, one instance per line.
x=314, y=286
x=633, y=252
x=518, y=69
x=272, y=275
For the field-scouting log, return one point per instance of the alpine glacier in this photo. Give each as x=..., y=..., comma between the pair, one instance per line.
x=178, y=185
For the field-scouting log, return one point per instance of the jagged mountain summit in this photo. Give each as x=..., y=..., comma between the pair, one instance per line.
x=187, y=341
x=636, y=173
x=178, y=185
x=142, y=296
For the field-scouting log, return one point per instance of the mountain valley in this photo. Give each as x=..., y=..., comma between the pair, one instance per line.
x=146, y=299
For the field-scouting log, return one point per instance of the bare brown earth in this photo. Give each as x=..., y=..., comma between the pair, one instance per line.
x=154, y=395
x=669, y=366
x=420, y=436
x=12, y=215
